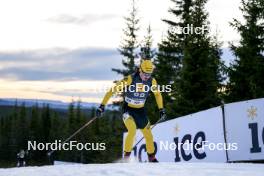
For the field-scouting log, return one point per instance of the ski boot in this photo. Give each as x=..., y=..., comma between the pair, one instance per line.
x=126, y=157
x=152, y=158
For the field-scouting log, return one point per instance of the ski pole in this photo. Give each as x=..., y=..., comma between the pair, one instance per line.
x=161, y=119
x=74, y=134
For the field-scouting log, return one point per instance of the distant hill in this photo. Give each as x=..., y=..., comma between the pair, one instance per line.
x=54, y=104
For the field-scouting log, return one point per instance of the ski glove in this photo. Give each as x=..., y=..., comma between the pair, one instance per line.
x=162, y=114
x=100, y=110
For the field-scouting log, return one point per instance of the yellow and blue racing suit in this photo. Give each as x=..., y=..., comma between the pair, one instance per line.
x=134, y=114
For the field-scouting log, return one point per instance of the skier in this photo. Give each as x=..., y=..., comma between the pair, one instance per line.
x=136, y=88
x=21, y=158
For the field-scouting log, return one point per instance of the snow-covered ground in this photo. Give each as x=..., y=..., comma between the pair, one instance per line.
x=140, y=169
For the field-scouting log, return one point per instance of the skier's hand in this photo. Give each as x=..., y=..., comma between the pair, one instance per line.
x=100, y=110
x=162, y=114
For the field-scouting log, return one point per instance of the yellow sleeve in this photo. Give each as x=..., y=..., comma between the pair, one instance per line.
x=118, y=87
x=157, y=94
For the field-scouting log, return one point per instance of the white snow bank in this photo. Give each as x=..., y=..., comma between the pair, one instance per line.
x=64, y=163
x=140, y=169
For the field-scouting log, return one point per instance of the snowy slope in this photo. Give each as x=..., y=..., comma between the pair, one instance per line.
x=140, y=169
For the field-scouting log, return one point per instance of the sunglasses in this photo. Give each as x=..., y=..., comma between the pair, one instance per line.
x=146, y=74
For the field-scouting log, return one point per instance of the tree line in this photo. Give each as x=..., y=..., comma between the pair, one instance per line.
x=42, y=124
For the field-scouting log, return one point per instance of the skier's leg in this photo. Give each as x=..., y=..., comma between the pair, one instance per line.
x=20, y=162
x=131, y=127
x=149, y=143
x=149, y=139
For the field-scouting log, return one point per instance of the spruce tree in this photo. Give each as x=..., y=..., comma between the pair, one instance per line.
x=129, y=44
x=56, y=127
x=189, y=61
x=34, y=125
x=6, y=138
x=45, y=123
x=146, y=50
x=13, y=134
x=170, y=53
x=22, y=127
x=71, y=118
x=71, y=126
x=80, y=120
x=201, y=68
x=1, y=127
x=1, y=132
x=247, y=71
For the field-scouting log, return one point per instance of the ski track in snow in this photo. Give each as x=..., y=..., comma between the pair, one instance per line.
x=140, y=169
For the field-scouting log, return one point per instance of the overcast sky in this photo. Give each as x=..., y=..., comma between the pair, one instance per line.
x=61, y=49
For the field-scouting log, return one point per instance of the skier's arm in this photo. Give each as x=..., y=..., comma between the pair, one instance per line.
x=157, y=94
x=118, y=87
